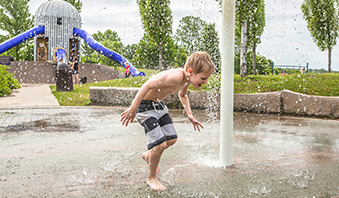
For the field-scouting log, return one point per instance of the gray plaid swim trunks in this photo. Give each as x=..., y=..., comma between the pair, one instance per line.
x=154, y=117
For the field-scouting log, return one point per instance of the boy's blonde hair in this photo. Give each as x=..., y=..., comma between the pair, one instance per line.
x=200, y=62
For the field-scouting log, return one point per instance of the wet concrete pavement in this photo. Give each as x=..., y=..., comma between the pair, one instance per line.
x=85, y=152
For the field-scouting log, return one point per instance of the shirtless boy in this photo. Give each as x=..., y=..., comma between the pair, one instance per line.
x=153, y=114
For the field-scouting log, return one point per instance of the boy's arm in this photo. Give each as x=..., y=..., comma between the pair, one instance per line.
x=128, y=115
x=185, y=102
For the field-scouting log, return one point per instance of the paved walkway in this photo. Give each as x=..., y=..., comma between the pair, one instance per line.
x=32, y=95
x=53, y=151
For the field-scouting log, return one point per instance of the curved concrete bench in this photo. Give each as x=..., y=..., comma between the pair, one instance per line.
x=301, y=104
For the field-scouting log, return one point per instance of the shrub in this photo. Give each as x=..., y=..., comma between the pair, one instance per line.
x=7, y=82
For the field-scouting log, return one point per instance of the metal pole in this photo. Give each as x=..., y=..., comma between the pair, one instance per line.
x=227, y=83
x=237, y=71
x=307, y=68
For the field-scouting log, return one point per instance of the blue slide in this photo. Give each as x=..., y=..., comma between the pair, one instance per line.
x=83, y=34
x=106, y=52
x=60, y=53
x=21, y=38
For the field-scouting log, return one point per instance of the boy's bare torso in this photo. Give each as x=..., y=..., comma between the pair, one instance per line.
x=166, y=83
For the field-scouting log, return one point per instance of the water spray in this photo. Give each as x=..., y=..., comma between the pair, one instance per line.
x=227, y=78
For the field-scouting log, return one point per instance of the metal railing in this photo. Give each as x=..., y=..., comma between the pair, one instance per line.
x=299, y=67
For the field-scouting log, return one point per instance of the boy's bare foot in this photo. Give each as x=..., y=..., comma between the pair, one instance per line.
x=156, y=185
x=145, y=156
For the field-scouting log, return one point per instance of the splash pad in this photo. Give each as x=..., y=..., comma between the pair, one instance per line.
x=85, y=152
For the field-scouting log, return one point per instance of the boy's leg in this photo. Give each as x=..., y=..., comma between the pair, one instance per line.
x=170, y=142
x=154, y=159
x=158, y=127
x=145, y=156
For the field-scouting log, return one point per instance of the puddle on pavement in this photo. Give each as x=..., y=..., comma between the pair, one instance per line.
x=86, y=152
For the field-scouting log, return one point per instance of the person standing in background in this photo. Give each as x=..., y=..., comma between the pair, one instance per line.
x=75, y=70
x=128, y=70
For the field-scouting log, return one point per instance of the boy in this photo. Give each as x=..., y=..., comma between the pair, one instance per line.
x=153, y=114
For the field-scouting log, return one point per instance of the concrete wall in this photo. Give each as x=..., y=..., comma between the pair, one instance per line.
x=33, y=72
x=44, y=72
x=258, y=102
x=301, y=104
x=122, y=96
x=274, y=102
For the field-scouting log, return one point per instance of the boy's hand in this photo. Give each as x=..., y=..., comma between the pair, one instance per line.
x=127, y=116
x=195, y=122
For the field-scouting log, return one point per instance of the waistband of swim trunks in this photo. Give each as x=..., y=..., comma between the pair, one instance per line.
x=151, y=102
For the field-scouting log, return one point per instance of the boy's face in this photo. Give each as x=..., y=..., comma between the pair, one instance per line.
x=197, y=80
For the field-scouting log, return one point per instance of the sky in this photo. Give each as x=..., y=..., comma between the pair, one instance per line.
x=286, y=39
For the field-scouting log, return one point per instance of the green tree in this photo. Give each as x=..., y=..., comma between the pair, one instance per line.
x=323, y=23
x=87, y=52
x=249, y=26
x=263, y=64
x=146, y=54
x=175, y=55
x=210, y=44
x=110, y=40
x=250, y=23
x=116, y=46
x=242, y=10
x=256, y=28
x=156, y=17
x=26, y=53
x=107, y=35
x=9, y=52
x=189, y=33
x=15, y=19
x=7, y=82
x=4, y=38
x=129, y=51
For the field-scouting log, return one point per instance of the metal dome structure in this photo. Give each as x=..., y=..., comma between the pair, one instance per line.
x=59, y=18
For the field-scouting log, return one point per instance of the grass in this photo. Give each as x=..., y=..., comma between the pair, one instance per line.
x=310, y=84
x=80, y=94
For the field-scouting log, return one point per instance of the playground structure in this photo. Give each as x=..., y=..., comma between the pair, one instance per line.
x=57, y=36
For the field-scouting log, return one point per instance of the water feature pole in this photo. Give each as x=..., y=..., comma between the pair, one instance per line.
x=227, y=82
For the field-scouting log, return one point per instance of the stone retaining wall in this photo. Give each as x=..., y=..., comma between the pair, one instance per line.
x=274, y=102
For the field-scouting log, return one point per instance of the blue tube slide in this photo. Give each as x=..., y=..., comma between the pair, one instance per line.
x=106, y=52
x=60, y=53
x=21, y=38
